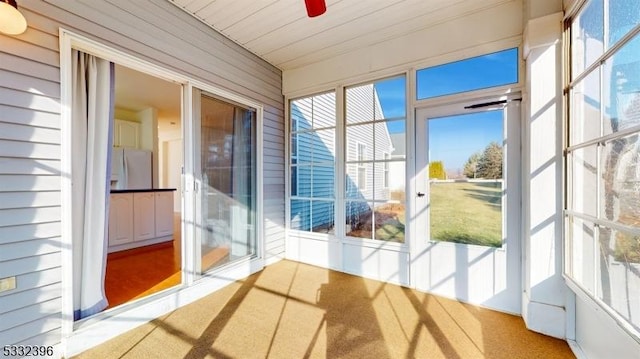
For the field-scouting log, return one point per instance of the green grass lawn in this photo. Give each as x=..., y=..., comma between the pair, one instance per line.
x=467, y=212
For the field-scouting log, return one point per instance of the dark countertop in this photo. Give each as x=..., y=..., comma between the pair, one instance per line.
x=142, y=190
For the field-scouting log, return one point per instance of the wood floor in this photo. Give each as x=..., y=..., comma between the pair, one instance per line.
x=138, y=272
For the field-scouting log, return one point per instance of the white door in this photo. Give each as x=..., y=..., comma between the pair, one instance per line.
x=225, y=166
x=467, y=201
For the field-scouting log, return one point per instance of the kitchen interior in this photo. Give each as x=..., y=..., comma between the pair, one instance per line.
x=144, y=243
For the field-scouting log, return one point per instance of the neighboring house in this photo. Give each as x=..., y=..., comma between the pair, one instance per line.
x=564, y=271
x=313, y=157
x=399, y=143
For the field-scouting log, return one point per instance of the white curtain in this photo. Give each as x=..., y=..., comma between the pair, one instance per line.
x=92, y=128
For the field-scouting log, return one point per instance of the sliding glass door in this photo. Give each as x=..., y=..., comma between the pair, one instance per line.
x=226, y=165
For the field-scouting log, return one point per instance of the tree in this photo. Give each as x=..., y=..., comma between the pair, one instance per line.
x=490, y=163
x=436, y=170
x=471, y=166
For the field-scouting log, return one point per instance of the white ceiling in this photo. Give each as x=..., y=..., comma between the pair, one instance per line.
x=280, y=32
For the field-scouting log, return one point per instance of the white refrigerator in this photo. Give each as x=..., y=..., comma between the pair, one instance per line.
x=131, y=168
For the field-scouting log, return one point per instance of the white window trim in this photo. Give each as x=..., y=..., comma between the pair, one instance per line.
x=120, y=319
x=289, y=168
x=607, y=54
x=294, y=132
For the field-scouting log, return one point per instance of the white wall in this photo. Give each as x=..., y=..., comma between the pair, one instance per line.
x=30, y=177
x=171, y=147
x=465, y=36
x=544, y=288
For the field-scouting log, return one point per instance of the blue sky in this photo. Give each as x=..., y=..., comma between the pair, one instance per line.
x=454, y=139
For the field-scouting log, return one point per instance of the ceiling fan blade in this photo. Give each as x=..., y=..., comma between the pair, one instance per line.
x=315, y=7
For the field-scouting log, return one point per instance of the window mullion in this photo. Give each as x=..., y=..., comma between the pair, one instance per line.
x=339, y=165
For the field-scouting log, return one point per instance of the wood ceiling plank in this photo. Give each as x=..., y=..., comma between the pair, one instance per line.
x=341, y=12
x=263, y=22
x=197, y=5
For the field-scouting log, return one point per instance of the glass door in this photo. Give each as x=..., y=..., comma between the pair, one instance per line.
x=225, y=168
x=468, y=201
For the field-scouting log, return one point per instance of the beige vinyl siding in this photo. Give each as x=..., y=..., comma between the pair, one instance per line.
x=29, y=186
x=153, y=30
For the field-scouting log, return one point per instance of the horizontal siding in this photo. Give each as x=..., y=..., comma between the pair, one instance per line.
x=27, y=166
x=29, y=231
x=29, y=134
x=32, y=288
x=27, y=66
x=28, y=117
x=33, y=45
x=20, y=183
x=49, y=338
x=11, y=217
x=27, y=331
x=30, y=264
x=27, y=83
x=22, y=149
x=29, y=313
x=25, y=249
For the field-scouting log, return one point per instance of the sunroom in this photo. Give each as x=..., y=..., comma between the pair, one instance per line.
x=155, y=153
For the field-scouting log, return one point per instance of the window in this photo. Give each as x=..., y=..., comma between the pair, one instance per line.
x=498, y=68
x=375, y=126
x=312, y=163
x=466, y=182
x=603, y=157
x=228, y=165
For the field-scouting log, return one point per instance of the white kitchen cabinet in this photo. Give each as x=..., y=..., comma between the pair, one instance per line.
x=144, y=216
x=139, y=219
x=164, y=213
x=126, y=134
x=120, y=219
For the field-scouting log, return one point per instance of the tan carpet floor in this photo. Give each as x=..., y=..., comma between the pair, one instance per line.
x=293, y=310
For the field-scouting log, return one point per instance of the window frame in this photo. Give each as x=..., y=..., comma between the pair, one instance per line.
x=467, y=92
x=361, y=162
x=293, y=189
x=311, y=198
x=571, y=81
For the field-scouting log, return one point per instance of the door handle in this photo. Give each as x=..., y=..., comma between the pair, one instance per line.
x=420, y=194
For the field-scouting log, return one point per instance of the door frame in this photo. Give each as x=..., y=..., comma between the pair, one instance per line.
x=510, y=301
x=254, y=262
x=83, y=334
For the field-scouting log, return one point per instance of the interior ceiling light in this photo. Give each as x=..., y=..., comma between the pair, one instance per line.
x=12, y=22
x=315, y=7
